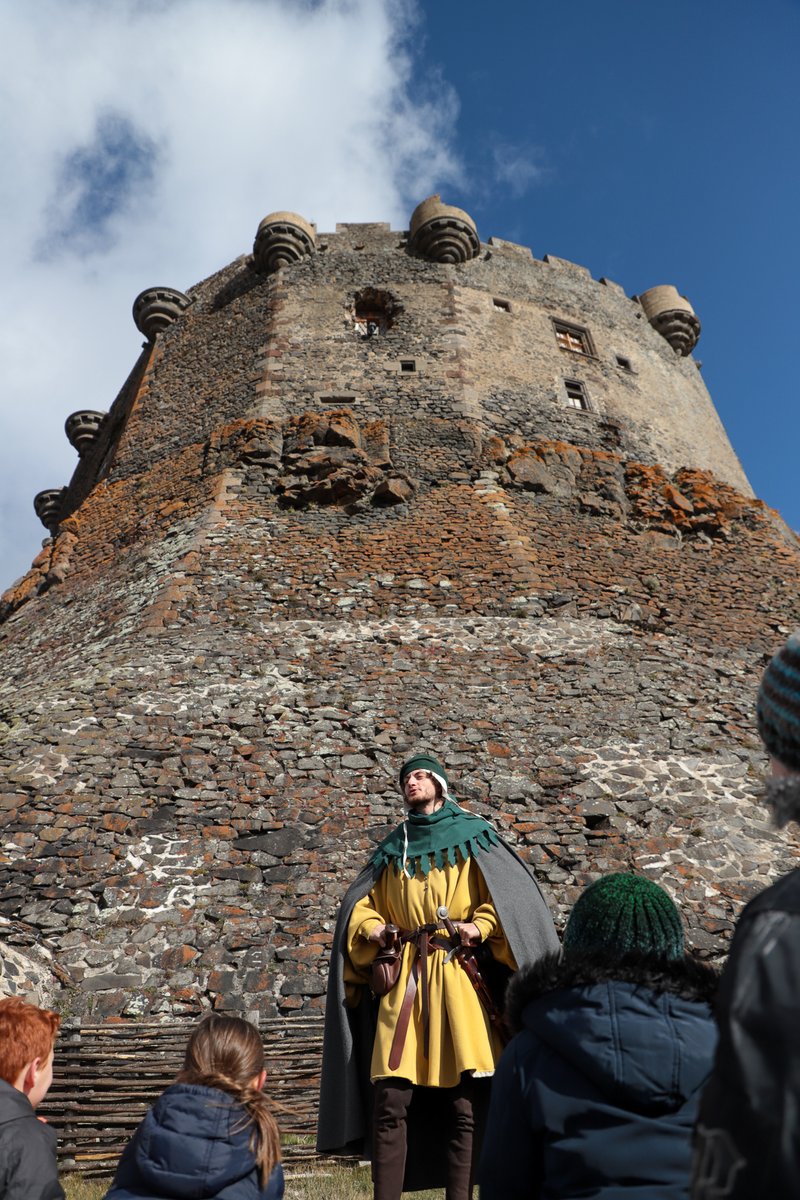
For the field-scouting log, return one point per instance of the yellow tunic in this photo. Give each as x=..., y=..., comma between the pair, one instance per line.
x=461, y=1037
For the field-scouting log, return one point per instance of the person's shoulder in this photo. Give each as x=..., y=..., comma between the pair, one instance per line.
x=783, y=896
x=19, y=1124
x=771, y=920
x=14, y=1105
x=28, y=1158
x=275, y=1184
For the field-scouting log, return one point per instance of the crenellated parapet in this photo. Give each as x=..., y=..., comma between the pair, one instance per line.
x=47, y=506
x=672, y=316
x=442, y=233
x=282, y=238
x=155, y=309
x=82, y=428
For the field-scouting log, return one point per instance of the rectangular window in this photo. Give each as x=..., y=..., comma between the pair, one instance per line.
x=502, y=305
x=574, y=338
x=407, y=365
x=624, y=363
x=576, y=394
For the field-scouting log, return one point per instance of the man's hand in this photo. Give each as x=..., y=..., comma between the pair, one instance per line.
x=378, y=934
x=468, y=932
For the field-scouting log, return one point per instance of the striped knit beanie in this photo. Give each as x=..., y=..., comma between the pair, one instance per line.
x=624, y=914
x=778, y=708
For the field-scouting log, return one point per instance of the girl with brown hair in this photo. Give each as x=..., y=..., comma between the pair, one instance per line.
x=211, y=1133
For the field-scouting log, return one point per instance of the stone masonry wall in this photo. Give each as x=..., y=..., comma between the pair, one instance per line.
x=273, y=347
x=267, y=600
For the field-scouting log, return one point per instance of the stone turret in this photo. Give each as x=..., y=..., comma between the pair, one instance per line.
x=82, y=428
x=442, y=233
x=155, y=309
x=282, y=238
x=673, y=316
x=47, y=506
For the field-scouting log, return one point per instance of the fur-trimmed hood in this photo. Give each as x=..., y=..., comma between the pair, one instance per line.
x=684, y=977
x=638, y=1031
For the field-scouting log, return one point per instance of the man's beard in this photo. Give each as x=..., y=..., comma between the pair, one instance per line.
x=783, y=798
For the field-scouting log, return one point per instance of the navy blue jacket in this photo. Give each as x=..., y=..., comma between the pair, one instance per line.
x=597, y=1093
x=194, y=1142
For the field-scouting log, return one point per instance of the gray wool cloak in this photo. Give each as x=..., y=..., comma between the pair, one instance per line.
x=345, y=1104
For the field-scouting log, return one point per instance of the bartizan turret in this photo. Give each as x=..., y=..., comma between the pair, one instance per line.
x=442, y=233
x=83, y=428
x=282, y=238
x=47, y=506
x=673, y=316
x=155, y=309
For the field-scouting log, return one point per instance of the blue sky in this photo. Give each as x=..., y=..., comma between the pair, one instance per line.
x=142, y=142
x=657, y=144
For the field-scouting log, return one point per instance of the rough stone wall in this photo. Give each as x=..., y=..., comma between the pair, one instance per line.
x=213, y=670
x=250, y=346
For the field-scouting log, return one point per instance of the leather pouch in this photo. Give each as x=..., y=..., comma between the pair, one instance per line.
x=386, y=964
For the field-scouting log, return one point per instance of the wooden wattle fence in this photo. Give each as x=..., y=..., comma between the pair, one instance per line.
x=106, y=1077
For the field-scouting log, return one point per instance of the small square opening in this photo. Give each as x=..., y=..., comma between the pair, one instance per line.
x=576, y=394
x=407, y=366
x=501, y=305
x=624, y=363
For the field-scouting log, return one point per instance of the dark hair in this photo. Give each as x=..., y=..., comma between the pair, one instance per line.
x=227, y=1053
x=26, y=1033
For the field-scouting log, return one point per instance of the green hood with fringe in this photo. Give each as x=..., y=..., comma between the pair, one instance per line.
x=445, y=836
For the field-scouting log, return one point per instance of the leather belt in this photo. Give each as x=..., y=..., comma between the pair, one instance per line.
x=425, y=939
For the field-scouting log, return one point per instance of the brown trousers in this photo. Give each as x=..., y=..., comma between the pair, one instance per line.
x=458, y=1135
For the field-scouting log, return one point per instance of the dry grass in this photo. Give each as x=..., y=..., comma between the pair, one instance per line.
x=339, y=1183
x=78, y=1188
x=331, y=1183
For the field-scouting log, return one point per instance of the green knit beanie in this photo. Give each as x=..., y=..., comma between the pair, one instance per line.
x=424, y=762
x=624, y=914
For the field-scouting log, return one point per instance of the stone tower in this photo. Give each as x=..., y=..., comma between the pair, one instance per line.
x=366, y=492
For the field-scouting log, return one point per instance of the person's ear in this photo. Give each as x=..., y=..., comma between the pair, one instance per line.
x=262, y=1079
x=31, y=1075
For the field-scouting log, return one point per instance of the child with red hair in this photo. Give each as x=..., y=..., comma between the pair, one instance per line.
x=27, y=1145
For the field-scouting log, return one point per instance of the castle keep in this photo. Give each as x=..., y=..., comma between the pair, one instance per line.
x=367, y=492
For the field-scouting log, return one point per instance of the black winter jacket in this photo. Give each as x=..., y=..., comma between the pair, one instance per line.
x=597, y=1093
x=27, y=1151
x=194, y=1142
x=748, y=1133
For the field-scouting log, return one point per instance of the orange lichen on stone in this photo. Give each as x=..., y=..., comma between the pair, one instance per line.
x=254, y=440
x=696, y=502
x=494, y=450
x=49, y=567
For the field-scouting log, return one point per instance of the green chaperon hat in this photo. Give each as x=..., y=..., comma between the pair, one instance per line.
x=424, y=762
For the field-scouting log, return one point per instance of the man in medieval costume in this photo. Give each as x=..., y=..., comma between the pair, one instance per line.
x=406, y=1076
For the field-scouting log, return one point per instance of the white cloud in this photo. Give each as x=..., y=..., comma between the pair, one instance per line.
x=519, y=166
x=142, y=141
